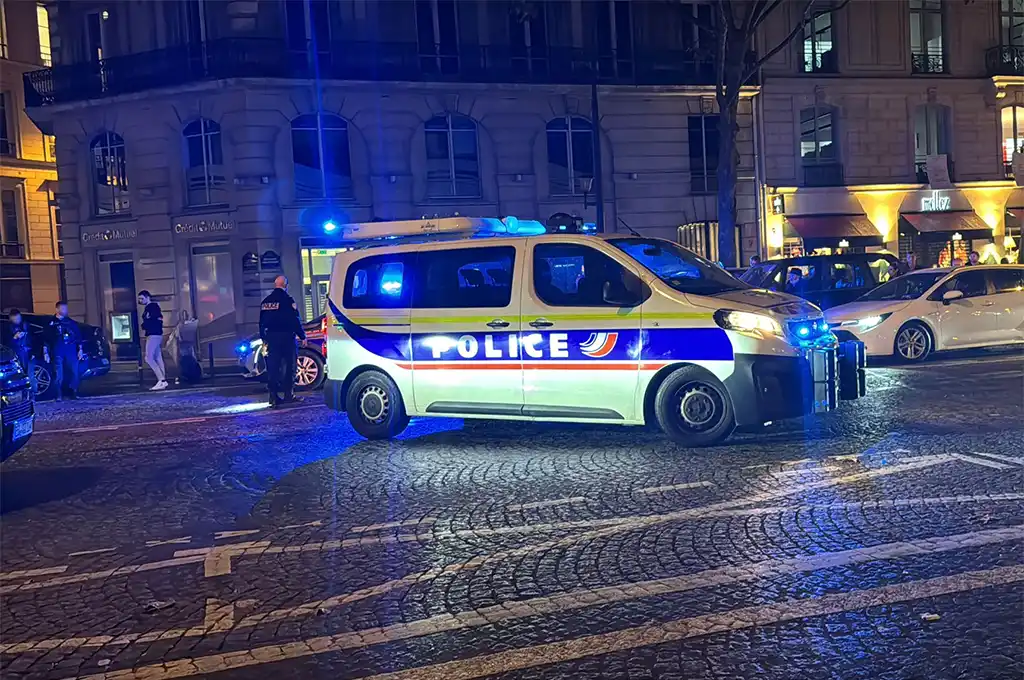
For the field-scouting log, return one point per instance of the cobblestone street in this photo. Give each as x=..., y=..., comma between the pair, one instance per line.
x=180, y=535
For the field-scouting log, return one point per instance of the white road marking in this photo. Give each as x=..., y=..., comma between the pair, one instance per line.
x=981, y=461
x=547, y=504
x=314, y=523
x=566, y=650
x=219, y=616
x=676, y=487
x=217, y=559
x=1016, y=460
x=97, y=551
x=234, y=534
x=169, y=541
x=29, y=573
x=392, y=525
x=100, y=575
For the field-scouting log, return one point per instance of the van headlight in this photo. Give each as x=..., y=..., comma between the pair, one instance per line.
x=747, y=322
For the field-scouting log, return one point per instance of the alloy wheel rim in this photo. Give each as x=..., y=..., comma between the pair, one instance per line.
x=42, y=379
x=912, y=343
x=374, y=404
x=305, y=371
x=699, y=407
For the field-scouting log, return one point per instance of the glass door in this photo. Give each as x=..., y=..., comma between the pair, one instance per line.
x=213, y=297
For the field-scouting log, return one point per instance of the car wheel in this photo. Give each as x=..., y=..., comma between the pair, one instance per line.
x=309, y=370
x=375, y=407
x=46, y=388
x=693, y=408
x=913, y=342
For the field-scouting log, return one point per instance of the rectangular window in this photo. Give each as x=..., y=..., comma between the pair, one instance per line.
x=50, y=148
x=377, y=283
x=43, y=22
x=7, y=146
x=464, y=277
x=930, y=136
x=10, y=238
x=818, y=151
x=818, y=53
x=926, y=48
x=1011, y=21
x=704, y=140
x=1008, y=280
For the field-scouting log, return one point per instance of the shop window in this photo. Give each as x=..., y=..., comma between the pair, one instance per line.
x=453, y=159
x=704, y=140
x=15, y=286
x=926, y=46
x=377, y=283
x=573, y=275
x=320, y=153
x=819, y=147
x=110, y=177
x=204, y=174
x=7, y=145
x=1011, y=21
x=1012, y=123
x=464, y=277
x=570, y=155
x=10, y=232
x=819, y=55
x=931, y=136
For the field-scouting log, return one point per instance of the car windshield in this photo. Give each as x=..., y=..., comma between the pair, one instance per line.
x=758, y=275
x=906, y=287
x=683, y=270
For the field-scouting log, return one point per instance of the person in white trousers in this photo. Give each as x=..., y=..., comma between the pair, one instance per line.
x=153, y=329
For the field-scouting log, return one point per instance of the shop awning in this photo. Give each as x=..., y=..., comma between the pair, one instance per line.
x=826, y=231
x=942, y=225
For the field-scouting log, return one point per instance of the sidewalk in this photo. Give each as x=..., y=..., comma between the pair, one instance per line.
x=123, y=378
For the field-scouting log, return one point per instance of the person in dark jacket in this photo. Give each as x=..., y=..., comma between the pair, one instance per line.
x=63, y=348
x=153, y=329
x=18, y=337
x=279, y=327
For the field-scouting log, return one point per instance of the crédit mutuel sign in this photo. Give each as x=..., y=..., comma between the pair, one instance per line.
x=936, y=201
x=204, y=227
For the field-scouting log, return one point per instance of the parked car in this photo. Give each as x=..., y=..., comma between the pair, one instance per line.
x=936, y=309
x=828, y=280
x=310, y=370
x=95, y=349
x=17, y=411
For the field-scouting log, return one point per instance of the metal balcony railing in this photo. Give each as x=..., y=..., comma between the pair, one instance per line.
x=371, y=61
x=1007, y=60
x=12, y=250
x=927, y=62
x=823, y=174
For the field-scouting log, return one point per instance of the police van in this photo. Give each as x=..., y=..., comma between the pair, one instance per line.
x=501, y=319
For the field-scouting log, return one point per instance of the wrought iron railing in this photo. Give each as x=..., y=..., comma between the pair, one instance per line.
x=372, y=61
x=1006, y=60
x=823, y=174
x=927, y=62
x=12, y=250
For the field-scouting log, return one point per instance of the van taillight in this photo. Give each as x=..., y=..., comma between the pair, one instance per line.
x=323, y=325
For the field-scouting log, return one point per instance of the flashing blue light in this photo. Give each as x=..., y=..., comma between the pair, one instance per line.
x=512, y=224
x=588, y=228
x=803, y=331
x=330, y=226
x=391, y=280
x=242, y=349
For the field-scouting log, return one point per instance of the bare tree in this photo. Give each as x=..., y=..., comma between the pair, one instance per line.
x=733, y=32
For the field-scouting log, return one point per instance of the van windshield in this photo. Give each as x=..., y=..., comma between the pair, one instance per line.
x=683, y=270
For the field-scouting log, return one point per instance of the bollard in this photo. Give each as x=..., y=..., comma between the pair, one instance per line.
x=139, y=347
x=210, y=348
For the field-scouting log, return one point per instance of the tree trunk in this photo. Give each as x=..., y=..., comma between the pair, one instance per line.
x=727, y=171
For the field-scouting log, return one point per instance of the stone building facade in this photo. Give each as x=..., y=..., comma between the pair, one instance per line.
x=894, y=124
x=202, y=145
x=30, y=245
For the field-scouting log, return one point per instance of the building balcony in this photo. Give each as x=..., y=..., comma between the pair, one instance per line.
x=1007, y=60
x=378, y=62
x=823, y=175
x=927, y=62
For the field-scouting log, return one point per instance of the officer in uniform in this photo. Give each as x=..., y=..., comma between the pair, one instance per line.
x=18, y=337
x=64, y=349
x=279, y=326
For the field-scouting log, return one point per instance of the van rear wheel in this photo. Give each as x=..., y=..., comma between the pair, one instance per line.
x=693, y=408
x=375, y=407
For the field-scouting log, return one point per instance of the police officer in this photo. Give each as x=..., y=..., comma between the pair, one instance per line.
x=279, y=326
x=64, y=347
x=18, y=337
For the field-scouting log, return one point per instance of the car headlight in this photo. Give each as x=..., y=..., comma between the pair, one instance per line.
x=864, y=323
x=747, y=322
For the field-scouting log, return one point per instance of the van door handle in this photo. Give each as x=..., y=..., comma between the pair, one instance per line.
x=498, y=323
x=541, y=323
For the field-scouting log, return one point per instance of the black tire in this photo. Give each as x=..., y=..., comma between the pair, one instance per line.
x=374, y=390
x=913, y=343
x=311, y=359
x=708, y=417
x=46, y=386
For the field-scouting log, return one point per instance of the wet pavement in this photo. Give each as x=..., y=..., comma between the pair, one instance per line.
x=186, y=534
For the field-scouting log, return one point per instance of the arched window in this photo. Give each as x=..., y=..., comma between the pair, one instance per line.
x=453, y=162
x=931, y=136
x=110, y=179
x=819, y=150
x=570, y=155
x=320, y=152
x=204, y=169
x=1012, y=120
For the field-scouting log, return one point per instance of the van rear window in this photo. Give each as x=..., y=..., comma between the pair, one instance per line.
x=377, y=283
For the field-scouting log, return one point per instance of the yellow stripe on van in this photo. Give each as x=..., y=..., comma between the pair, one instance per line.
x=470, y=320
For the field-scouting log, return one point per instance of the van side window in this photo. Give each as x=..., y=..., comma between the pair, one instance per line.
x=573, y=275
x=850, y=274
x=376, y=283
x=464, y=277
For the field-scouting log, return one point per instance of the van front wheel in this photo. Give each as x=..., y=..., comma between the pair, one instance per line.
x=693, y=408
x=375, y=407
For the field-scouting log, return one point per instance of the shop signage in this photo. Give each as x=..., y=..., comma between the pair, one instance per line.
x=122, y=234
x=935, y=201
x=204, y=227
x=778, y=204
x=250, y=262
x=270, y=260
x=938, y=172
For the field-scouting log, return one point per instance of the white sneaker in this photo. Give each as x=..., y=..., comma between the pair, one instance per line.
x=162, y=385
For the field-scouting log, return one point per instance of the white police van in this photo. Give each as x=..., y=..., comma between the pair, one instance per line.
x=487, y=318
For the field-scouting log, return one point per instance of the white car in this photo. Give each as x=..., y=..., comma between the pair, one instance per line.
x=936, y=309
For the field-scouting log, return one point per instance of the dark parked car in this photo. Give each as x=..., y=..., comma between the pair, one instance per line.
x=827, y=280
x=17, y=412
x=96, y=351
x=310, y=367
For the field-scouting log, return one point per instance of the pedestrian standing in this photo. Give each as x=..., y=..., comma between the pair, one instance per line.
x=279, y=327
x=153, y=329
x=63, y=344
x=18, y=337
x=974, y=258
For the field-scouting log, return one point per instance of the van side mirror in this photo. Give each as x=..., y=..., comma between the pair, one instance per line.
x=618, y=296
x=951, y=295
